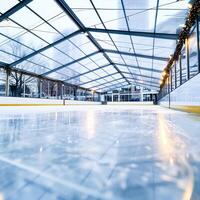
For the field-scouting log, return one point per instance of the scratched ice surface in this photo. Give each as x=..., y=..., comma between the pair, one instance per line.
x=99, y=152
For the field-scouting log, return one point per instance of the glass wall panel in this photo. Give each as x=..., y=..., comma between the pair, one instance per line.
x=31, y=87
x=2, y=82
x=44, y=88
x=59, y=90
x=68, y=92
x=53, y=89
x=16, y=84
x=80, y=94
x=193, y=54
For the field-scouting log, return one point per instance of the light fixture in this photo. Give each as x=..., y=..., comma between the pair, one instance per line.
x=189, y=5
x=164, y=73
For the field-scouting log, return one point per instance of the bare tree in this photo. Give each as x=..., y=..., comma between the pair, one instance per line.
x=18, y=79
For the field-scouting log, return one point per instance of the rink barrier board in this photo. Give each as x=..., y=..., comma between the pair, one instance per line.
x=190, y=109
x=20, y=101
x=184, y=98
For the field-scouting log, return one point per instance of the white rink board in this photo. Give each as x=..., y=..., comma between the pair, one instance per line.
x=187, y=94
x=37, y=101
x=131, y=103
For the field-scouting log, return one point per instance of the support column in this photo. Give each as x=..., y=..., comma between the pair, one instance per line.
x=48, y=90
x=62, y=91
x=7, y=82
x=180, y=64
x=169, y=91
x=75, y=93
x=56, y=90
x=187, y=58
x=24, y=88
x=40, y=85
x=198, y=42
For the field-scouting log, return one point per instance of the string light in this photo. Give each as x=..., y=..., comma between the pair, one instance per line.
x=189, y=23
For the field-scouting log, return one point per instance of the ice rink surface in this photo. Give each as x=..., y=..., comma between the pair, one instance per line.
x=99, y=152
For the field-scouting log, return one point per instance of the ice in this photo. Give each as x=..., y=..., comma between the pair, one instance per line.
x=99, y=152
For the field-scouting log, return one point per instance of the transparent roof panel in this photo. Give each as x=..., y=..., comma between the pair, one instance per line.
x=7, y=4
x=170, y=15
x=30, y=39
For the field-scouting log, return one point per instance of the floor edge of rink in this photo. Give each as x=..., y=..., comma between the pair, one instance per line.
x=1, y=105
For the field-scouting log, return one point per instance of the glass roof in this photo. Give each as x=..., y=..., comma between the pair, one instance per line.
x=97, y=44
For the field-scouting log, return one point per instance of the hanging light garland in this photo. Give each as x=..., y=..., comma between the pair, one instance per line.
x=189, y=23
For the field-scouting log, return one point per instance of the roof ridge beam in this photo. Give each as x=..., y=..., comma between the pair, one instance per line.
x=142, y=68
x=167, y=36
x=136, y=55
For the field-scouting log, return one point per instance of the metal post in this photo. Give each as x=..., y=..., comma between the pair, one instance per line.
x=48, y=89
x=180, y=64
x=170, y=80
x=7, y=82
x=168, y=83
x=24, y=88
x=62, y=91
x=175, y=74
x=40, y=88
x=56, y=90
x=198, y=46
x=187, y=58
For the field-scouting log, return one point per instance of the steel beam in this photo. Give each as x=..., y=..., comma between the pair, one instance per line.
x=143, y=85
x=136, y=55
x=99, y=78
x=142, y=68
x=138, y=84
x=70, y=63
x=135, y=33
x=156, y=83
x=140, y=75
x=45, y=48
x=14, y=9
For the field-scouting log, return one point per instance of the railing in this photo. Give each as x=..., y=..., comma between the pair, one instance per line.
x=188, y=64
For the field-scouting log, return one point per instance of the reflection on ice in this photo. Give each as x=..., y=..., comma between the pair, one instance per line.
x=173, y=154
x=99, y=152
